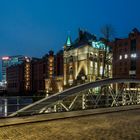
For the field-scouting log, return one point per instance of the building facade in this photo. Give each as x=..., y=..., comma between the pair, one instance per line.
x=84, y=58
x=19, y=78
x=8, y=61
x=39, y=73
x=126, y=56
x=54, y=81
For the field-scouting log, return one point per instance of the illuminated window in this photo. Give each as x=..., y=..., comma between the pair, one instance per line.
x=50, y=64
x=70, y=81
x=107, y=49
x=96, y=89
x=101, y=70
x=27, y=65
x=109, y=67
x=91, y=63
x=120, y=57
x=125, y=56
x=51, y=60
x=96, y=68
x=134, y=55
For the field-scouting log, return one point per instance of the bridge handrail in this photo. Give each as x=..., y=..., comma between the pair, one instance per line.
x=73, y=91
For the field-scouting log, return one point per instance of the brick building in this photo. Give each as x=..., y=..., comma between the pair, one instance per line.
x=19, y=79
x=126, y=56
x=39, y=75
x=54, y=80
x=59, y=64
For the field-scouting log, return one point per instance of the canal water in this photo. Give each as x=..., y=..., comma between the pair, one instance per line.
x=9, y=105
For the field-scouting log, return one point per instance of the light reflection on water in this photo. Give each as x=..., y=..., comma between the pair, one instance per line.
x=9, y=105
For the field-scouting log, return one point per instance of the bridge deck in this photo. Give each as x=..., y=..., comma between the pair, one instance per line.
x=118, y=125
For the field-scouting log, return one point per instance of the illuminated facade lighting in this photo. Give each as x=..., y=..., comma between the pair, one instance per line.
x=101, y=70
x=99, y=45
x=96, y=68
x=27, y=76
x=85, y=60
x=120, y=57
x=125, y=56
x=134, y=55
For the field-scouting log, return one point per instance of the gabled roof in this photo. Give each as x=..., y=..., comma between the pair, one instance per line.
x=84, y=38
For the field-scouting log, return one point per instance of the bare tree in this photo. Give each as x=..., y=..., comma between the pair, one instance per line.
x=108, y=33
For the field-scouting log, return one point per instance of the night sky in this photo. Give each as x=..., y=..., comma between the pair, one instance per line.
x=33, y=27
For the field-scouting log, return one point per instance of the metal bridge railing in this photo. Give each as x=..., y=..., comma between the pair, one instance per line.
x=82, y=101
x=11, y=104
x=81, y=97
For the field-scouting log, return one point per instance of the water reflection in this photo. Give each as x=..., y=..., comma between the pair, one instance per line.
x=9, y=105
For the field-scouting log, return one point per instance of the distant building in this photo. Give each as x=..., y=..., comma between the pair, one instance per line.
x=5, y=64
x=19, y=78
x=39, y=73
x=59, y=69
x=15, y=79
x=54, y=81
x=126, y=56
x=2, y=87
x=9, y=61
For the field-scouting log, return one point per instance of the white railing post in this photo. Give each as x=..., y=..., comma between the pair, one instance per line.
x=83, y=101
x=5, y=107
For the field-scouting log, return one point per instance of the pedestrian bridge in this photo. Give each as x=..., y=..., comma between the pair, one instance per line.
x=98, y=94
